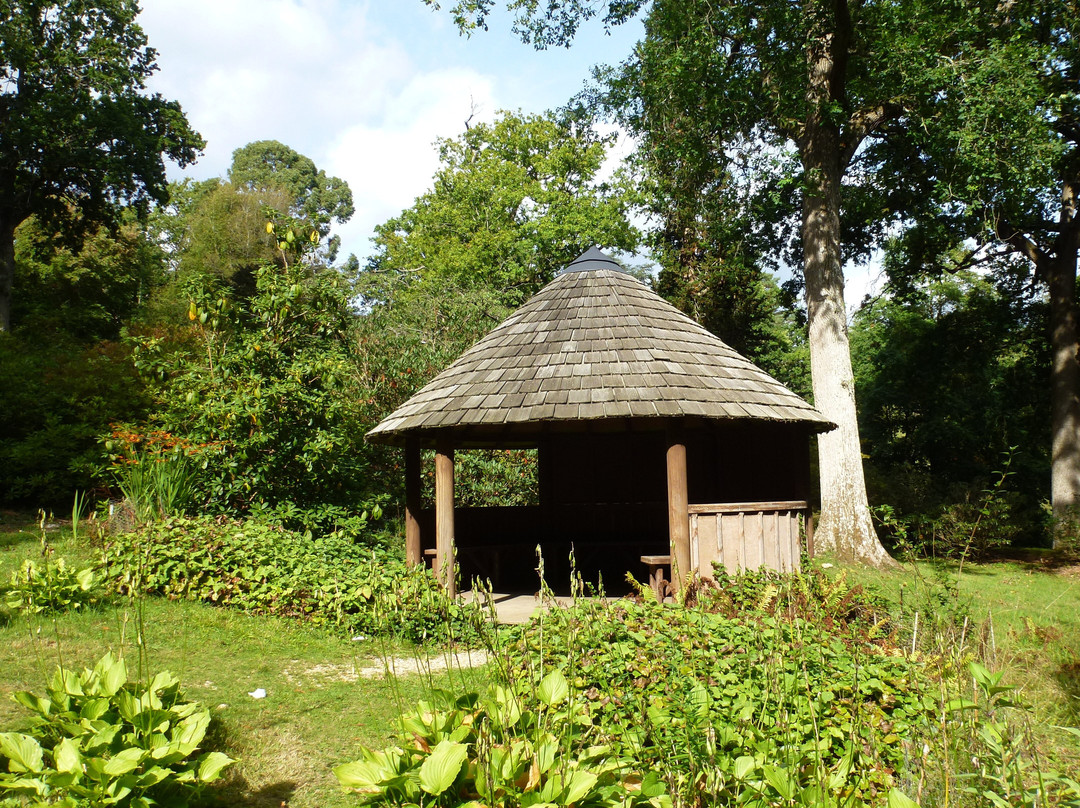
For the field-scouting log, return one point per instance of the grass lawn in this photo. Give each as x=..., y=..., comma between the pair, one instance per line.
x=316, y=713
x=1023, y=619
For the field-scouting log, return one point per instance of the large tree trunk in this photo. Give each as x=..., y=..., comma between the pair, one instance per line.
x=1060, y=274
x=845, y=527
x=7, y=270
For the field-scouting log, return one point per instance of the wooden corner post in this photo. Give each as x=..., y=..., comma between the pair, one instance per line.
x=444, y=518
x=678, y=507
x=414, y=551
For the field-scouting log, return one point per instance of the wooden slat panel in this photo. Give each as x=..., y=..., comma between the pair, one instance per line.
x=708, y=548
x=784, y=542
x=731, y=532
x=752, y=540
x=695, y=541
x=774, y=535
x=796, y=548
x=746, y=539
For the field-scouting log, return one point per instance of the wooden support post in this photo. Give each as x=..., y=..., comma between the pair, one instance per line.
x=678, y=509
x=413, y=542
x=444, y=519
x=808, y=528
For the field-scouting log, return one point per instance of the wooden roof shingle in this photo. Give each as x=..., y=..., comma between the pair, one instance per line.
x=595, y=343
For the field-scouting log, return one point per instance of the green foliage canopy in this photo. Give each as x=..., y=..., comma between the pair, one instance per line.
x=261, y=389
x=76, y=125
x=513, y=202
x=317, y=198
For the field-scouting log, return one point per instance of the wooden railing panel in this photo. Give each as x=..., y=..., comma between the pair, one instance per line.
x=745, y=536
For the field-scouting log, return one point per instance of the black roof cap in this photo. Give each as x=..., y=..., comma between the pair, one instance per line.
x=593, y=259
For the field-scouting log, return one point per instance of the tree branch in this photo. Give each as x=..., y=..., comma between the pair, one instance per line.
x=864, y=123
x=1020, y=243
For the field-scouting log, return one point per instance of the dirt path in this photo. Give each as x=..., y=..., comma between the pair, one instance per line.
x=318, y=675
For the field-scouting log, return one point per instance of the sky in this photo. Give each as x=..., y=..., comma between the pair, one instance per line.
x=364, y=88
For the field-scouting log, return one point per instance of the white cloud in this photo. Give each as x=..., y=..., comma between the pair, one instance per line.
x=288, y=70
x=388, y=165
x=362, y=88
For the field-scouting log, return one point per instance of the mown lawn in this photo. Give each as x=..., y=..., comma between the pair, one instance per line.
x=316, y=712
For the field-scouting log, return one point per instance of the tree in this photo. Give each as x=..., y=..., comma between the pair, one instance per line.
x=948, y=376
x=316, y=198
x=222, y=236
x=87, y=286
x=998, y=163
x=513, y=202
x=77, y=128
x=262, y=388
x=813, y=79
x=714, y=256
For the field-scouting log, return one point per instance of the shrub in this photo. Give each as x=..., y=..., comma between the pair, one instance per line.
x=261, y=568
x=262, y=385
x=727, y=706
x=50, y=588
x=499, y=751
x=102, y=739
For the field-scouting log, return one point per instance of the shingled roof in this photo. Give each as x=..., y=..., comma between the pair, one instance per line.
x=595, y=343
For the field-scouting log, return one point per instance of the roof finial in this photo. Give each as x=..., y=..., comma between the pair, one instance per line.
x=593, y=259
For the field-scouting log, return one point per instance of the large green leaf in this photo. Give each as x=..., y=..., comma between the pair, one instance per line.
x=577, y=785
x=25, y=785
x=554, y=689
x=441, y=768
x=212, y=765
x=22, y=752
x=744, y=765
x=40, y=706
x=127, y=760
x=128, y=705
x=151, y=720
x=67, y=755
x=112, y=674
x=898, y=799
x=366, y=775
x=189, y=733
x=780, y=779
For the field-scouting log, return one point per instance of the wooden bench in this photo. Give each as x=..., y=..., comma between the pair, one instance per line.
x=655, y=564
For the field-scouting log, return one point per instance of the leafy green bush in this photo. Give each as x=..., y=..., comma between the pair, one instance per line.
x=59, y=396
x=810, y=595
x=261, y=383
x=499, y=751
x=329, y=579
x=50, y=588
x=100, y=739
x=755, y=709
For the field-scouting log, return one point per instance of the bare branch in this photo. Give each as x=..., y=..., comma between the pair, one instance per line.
x=1020, y=243
x=864, y=123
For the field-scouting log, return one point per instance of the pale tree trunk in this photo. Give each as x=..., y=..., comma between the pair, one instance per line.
x=846, y=527
x=7, y=270
x=1060, y=275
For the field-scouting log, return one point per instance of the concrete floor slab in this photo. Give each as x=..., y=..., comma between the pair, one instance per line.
x=515, y=609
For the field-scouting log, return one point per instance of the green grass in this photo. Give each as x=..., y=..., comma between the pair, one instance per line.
x=316, y=714
x=1023, y=618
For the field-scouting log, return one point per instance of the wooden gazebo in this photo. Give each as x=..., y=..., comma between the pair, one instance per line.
x=655, y=439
